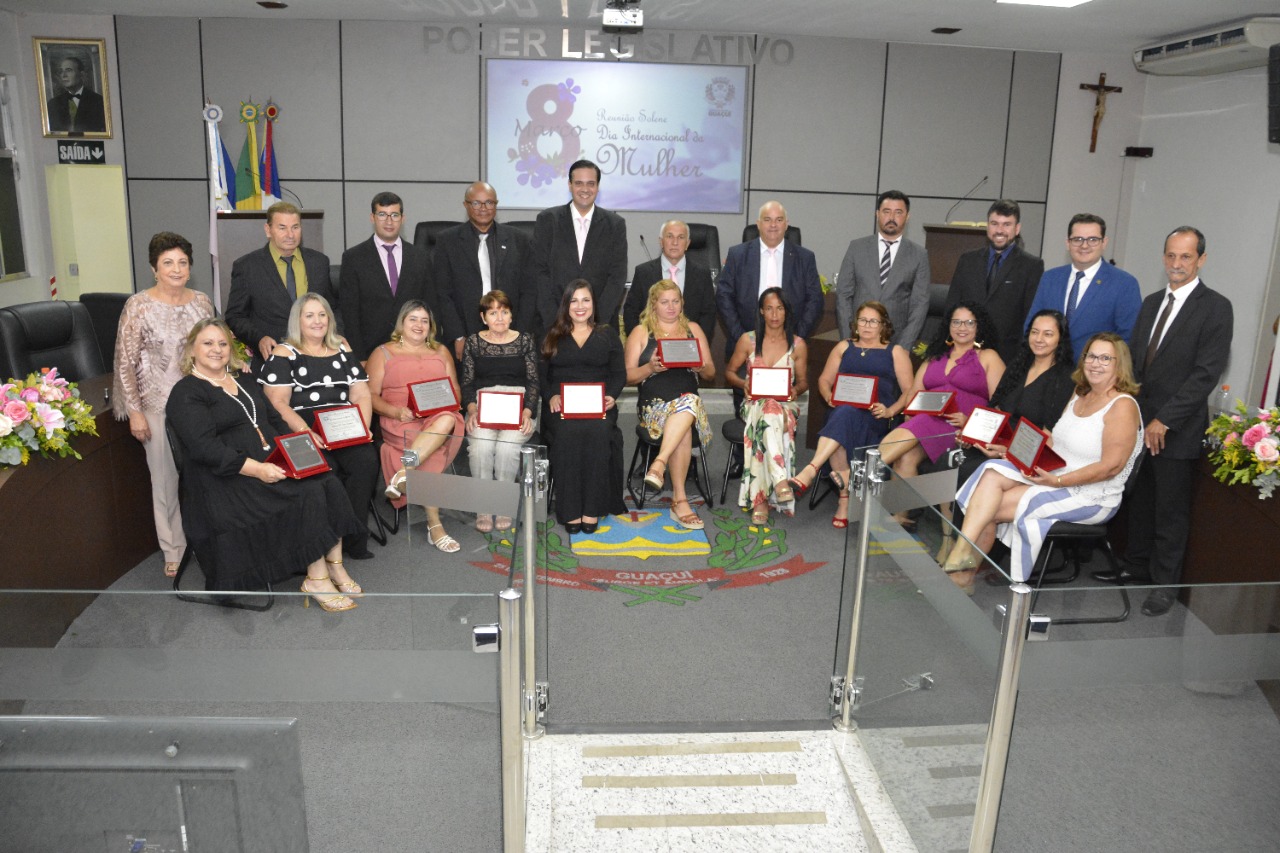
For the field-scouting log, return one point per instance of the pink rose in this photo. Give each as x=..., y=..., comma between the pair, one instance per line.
x=1237, y=419
x=31, y=395
x=16, y=411
x=49, y=418
x=1264, y=416
x=1267, y=450
x=50, y=393
x=1231, y=438
x=1254, y=434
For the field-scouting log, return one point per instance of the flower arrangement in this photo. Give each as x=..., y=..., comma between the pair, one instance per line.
x=1246, y=448
x=41, y=414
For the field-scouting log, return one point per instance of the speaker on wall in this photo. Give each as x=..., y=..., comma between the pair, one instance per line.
x=1273, y=95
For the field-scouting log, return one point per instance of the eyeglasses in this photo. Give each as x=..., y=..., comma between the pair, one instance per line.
x=963, y=324
x=1081, y=241
x=384, y=216
x=869, y=321
x=1099, y=358
x=488, y=204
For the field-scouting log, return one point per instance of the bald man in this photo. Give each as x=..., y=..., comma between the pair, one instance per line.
x=476, y=257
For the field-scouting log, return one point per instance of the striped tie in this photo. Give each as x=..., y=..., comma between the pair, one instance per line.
x=885, y=263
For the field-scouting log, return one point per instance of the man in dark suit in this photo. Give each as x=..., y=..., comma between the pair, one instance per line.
x=265, y=282
x=693, y=278
x=476, y=257
x=580, y=240
x=888, y=268
x=379, y=276
x=76, y=109
x=1093, y=295
x=1180, y=347
x=772, y=261
x=1001, y=278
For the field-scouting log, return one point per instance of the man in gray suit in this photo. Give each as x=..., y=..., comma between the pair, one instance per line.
x=888, y=268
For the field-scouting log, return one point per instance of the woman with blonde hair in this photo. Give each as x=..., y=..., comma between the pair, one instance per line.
x=669, y=404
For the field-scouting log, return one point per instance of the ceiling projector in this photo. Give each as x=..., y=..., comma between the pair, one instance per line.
x=622, y=16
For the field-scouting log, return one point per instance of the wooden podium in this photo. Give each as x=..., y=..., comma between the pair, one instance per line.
x=945, y=244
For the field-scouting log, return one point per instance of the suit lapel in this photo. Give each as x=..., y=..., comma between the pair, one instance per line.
x=1184, y=319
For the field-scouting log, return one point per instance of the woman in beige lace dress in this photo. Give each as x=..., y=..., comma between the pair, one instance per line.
x=153, y=329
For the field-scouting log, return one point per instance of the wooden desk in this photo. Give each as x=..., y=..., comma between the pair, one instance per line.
x=73, y=524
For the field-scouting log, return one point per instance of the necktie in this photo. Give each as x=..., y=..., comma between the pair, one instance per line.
x=1073, y=295
x=393, y=274
x=73, y=106
x=1156, y=335
x=290, y=281
x=771, y=280
x=672, y=274
x=991, y=273
x=885, y=262
x=486, y=272
x=582, y=237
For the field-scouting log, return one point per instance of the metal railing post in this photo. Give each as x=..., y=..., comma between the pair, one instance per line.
x=996, y=755
x=873, y=472
x=529, y=483
x=509, y=707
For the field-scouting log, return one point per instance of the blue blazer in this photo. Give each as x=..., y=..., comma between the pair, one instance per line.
x=738, y=289
x=1110, y=304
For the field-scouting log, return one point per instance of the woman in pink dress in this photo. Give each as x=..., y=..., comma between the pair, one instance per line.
x=414, y=355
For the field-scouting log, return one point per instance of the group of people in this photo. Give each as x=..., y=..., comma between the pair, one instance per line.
x=528, y=315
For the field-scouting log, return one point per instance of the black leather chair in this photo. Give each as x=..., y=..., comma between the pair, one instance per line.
x=49, y=334
x=704, y=246
x=524, y=226
x=752, y=232
x=937, y=309
x=425, y=233
x=642, y=458
x=104, y=311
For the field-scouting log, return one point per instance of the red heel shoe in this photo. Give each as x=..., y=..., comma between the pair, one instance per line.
x=798, y=488
x=836, y=521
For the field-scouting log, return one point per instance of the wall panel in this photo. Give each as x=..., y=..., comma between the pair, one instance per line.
x=160, y=112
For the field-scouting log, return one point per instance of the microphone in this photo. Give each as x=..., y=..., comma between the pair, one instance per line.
x=965, y=197
x=645, y=246
x=285, y=189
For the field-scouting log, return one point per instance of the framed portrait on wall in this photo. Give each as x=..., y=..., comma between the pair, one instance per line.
x=72, y=79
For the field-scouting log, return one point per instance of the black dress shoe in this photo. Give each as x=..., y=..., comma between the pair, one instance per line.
x=366, y=554
x=735, y=470
x=573, y=527
x=1158, y=602
x=1124, y=575
x=590, y=528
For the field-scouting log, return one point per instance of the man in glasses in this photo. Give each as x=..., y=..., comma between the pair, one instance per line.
x=1093, y=295
x=379, y=275
x=476, y=257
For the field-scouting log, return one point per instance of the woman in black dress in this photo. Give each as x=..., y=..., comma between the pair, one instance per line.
x=1036, y=386
x=586, y=454
x=314, y=369
x=249, y=524
x=669, y=404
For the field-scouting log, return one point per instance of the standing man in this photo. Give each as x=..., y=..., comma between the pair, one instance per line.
x=772, y=261
x=75, y=109
x=265, y=282
x=693, y=279
x=1093, y=295
x=580, y=240
x=1002, y=278
x=379, y=276
x=478, y=256
x=889, y=268
x=1180, y=348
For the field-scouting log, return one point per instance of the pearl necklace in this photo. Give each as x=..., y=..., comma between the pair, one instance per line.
x=251, y=415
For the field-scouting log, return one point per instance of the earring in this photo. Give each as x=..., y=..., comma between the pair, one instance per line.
x=977, y=344
x=950, y=342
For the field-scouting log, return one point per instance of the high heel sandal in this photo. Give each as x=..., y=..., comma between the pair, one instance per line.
x=329, y=603
x=398, y=480
x=445, y=543
x=967, y=563
x=760, y=514
x=654, y=481
x=349, y=586
x=948, y=542
x=836, y=521
x=798, y=488
x=171, y=570
x=484, y=523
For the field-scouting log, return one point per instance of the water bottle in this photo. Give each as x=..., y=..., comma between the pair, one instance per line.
x=1221, y=402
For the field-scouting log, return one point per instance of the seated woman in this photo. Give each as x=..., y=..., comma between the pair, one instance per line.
x=1098, y=436
x=585, y=454
x=669, y=404
x=248, y=523
x=414, y=355
x=769, y=439
x=314, y=369
x=498, y=359
x=955, y=361
x=850, y=430
x=1036, y=386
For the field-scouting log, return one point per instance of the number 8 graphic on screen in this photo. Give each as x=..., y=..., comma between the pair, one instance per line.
x=549, y=106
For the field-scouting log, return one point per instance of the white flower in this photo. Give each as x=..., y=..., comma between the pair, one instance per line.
x=6, y=425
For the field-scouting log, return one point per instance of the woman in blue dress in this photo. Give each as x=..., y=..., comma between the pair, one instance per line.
x=850, y=430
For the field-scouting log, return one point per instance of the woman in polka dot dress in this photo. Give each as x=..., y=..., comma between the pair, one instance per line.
x=314, y=369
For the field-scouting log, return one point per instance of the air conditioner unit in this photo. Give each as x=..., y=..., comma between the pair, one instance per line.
x=1229, y=47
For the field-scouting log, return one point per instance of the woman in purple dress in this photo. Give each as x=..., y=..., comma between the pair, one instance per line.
x=957, y=361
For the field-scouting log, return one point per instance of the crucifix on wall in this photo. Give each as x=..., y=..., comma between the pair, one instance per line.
x=1100, y=91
